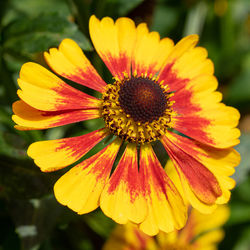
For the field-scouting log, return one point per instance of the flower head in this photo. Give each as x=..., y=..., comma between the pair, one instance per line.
x=201, y=232
x=160, y=91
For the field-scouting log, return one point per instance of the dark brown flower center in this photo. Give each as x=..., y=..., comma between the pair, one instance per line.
x=142, y=99
x=137, y=109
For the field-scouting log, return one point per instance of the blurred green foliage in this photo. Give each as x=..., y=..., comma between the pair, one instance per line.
x=30, y=217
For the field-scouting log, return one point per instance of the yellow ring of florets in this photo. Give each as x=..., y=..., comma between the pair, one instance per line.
x=123, y=125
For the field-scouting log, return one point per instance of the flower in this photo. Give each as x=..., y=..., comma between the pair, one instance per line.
x=159, y=88
x=201, y=232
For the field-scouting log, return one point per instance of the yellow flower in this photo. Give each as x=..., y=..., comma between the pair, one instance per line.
x=202, y=232
x=159, y=88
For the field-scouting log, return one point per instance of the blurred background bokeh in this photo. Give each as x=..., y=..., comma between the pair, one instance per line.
x=30, y=217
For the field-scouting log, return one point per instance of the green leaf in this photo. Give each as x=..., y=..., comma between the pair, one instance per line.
x=242, y=189
x=240, y=213
x=7, y=85
x=196, y=18
x=125, y=6
x=244, y=241
x=239, y=90
x=99, y=223
x=115, y=7
x=28, y=36
x=55, y=133
x=9, y=149
x=243, y=148
x=17, y=8
x=164, y=19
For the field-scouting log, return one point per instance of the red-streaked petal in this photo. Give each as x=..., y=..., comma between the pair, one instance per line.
x=150, y=53
x=29, y=118
x=192, y=63
x=200, y=115
x=220, y=162
x=214, y=125
x=201, y=180
x=166, y=209
x=114, y=42
x=198, y=93
x=55, y=154
x=70, y=62
x=81, y=187
x=185, y=190
x=122, y=198
x=169, y=73
x=43, y=90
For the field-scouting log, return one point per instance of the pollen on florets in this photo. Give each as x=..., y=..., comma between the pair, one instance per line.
x=137, y=109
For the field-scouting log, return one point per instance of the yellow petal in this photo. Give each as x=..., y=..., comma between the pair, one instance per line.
x=193, y=63
x=81, y=187
x=28, y=118
x=70, y=62
x=114, y=42
x=122, y=198
x=56, y=154
x=43, y=90
x=150, y=52
x=219, y=162
x=166, y=209
x=210, y=240
x=182, y=47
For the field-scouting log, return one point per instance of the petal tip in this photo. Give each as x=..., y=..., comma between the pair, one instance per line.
x=93, y=20
x=30, y=150
x=67, y=42
x=25, y=67
x=194, y=37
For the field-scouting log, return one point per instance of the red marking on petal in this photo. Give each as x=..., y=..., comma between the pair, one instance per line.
x=201, y=180
x=170, y=78
x=194, y=127
x=117, y=65
x=71, y=116
x=187, y=120
x=88, y=78
x=80, y=145
x=152, y=173
x=74, y=99
x=182, y=96
x=27, y=116
x=142, y=69
x=127, y=172
x=183, y=104
x=101, y=163
x=151, y=69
